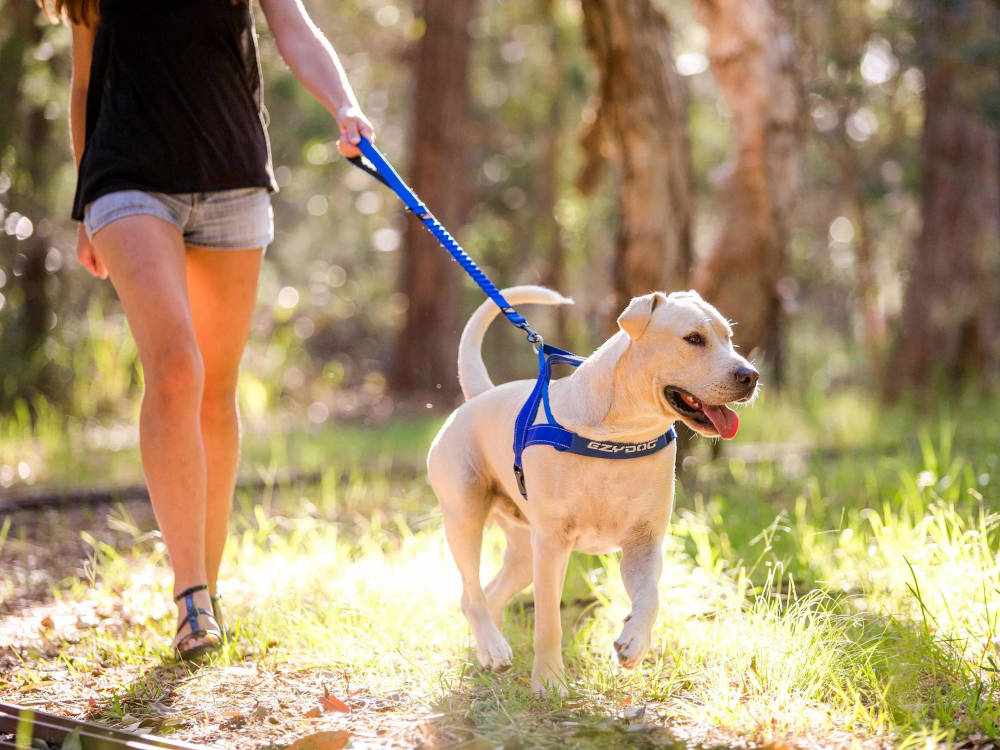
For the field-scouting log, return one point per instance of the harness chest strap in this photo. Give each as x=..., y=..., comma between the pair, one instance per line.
x=551, y=433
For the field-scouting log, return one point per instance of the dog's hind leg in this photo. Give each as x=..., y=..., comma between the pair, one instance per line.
x=515, y=573
x=465, y=507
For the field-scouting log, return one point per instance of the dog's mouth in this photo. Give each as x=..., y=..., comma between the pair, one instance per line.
x=701, y=417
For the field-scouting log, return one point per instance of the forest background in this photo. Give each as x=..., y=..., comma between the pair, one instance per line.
x=824, y=172
x=827, y=172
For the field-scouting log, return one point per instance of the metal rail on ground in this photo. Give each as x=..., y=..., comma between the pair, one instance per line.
x=22, y=727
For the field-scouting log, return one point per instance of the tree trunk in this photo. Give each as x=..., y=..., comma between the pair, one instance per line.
x=950, y=304
x=643, y=115
x=554, y=272
x=425, y=357
x=752, y=58
x=846, y=39
x=27, y=157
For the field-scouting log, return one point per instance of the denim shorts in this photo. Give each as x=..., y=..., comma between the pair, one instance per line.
x=223, y=219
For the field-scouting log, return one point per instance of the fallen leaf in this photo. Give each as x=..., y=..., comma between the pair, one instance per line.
x=312, y=713
x=321, y=741
x=332, y=702
x=47, y=622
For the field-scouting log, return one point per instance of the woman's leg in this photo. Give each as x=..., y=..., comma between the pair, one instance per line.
x=145, y=257
x=222, y=286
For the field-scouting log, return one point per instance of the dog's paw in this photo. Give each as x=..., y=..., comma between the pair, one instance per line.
x=494, y=652
x=632, y=644
x=548, y=684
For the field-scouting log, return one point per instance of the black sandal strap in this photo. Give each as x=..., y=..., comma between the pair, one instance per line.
x=192, y=612
x=189, y=591
x=192, y=615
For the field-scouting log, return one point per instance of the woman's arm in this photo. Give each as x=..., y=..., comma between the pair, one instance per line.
x=83, y=48
x=312, y=59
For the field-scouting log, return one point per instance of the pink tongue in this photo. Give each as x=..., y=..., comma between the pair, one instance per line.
x=724, y=419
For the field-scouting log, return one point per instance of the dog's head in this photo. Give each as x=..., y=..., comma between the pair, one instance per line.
x=682, y=349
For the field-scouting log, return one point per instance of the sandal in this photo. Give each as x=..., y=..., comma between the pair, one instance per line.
x=213, y=633
x=227, y=633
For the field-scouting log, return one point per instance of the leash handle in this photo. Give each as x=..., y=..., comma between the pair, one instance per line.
x=382, y=171
x=364, y=167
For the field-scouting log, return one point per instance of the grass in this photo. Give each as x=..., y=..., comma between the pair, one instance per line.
x=40, y=448
x=811, y=599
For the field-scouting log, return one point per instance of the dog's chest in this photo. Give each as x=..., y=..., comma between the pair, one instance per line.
x=601, y=505
x=602, y=528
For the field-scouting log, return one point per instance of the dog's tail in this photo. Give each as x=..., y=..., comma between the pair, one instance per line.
x=472, y=372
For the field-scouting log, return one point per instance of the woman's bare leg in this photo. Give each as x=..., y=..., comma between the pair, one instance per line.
x=222, y=287
x=145, y=257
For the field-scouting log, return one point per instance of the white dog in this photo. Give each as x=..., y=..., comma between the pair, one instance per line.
x=672, y=359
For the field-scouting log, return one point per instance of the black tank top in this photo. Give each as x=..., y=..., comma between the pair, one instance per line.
x=174, y=102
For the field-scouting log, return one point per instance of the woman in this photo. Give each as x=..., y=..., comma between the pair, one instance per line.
x=173, y=191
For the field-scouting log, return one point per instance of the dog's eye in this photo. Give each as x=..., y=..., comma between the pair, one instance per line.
x=695, y=338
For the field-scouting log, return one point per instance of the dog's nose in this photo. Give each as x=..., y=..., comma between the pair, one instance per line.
x=747, y=377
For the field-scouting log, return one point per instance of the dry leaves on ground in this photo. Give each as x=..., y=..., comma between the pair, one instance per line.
x=321, y=741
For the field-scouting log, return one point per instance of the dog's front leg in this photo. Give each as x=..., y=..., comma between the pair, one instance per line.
x=550, y=558
x=642, y=563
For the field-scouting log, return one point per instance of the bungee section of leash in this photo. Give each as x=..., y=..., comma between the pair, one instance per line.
x=379, y=168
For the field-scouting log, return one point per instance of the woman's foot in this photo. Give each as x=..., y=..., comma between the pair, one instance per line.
x=198, y=633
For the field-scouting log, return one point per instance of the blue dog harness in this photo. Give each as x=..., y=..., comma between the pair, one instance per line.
x=526, y=432
x=550, y=432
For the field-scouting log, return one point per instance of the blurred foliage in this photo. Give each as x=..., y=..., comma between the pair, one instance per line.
x=328, y=306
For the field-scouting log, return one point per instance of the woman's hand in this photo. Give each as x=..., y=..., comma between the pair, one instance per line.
x=86, y=253
x=312, y=59
x=353, y=124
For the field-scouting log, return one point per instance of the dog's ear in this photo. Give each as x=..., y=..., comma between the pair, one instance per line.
x=636, y=316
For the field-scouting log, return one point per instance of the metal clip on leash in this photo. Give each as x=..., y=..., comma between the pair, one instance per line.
x=382, y=171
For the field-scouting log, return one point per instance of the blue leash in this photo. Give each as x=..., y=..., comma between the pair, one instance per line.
x=382, y=171
x=526, y=432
